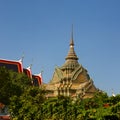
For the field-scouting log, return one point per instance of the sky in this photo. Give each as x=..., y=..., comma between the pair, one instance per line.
x=41, y=31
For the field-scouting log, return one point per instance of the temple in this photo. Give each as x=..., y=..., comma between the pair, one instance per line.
x=17, y=66
x=71, y=79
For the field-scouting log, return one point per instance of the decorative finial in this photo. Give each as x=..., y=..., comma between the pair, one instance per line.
x=31, y=63
x=42, y=70
x=72, y=31
x=71, y=53
x=113, y=93
x=72, y=42
x=23, y=55
x=21, y=59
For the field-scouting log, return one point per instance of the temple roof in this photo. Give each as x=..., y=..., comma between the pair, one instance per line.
x=12, y=65
x=71, y=60
x=17, y=66
x=71, y=54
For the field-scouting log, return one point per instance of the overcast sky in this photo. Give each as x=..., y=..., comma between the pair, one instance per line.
x=41, y=30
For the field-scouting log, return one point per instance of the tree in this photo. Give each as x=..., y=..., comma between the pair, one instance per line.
x=29, y=105
x=12, y=83
x=27, y=102
x=23, y=100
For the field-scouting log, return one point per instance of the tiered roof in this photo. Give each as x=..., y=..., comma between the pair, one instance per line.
x=71, y=60
x=71, y=78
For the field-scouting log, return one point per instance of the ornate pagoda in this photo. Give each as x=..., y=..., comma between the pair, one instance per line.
x=71, y=79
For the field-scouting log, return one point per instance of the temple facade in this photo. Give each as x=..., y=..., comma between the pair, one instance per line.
x=71, y=79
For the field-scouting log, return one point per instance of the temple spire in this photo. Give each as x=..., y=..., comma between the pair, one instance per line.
x=72, y=41
x=71, y=54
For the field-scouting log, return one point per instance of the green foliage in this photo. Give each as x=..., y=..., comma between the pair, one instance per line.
x=28, y=106
x=114, y=100
x=116, y=108
x=12, y=83
x=27, y=102
x=56, y=107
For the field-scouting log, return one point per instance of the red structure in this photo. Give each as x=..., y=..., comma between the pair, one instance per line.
x=17, y=66
x=37, y=79
x=5, y=117
x=12, y=65
x=28, y=72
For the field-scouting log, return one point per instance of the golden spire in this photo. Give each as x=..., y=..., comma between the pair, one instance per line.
x=71, y=54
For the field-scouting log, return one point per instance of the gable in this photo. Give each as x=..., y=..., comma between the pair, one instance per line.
x=57, y=76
